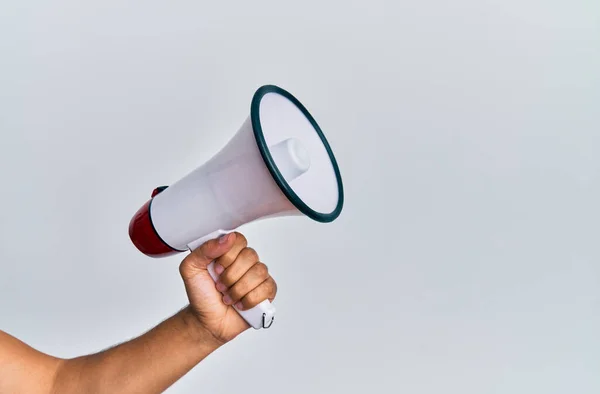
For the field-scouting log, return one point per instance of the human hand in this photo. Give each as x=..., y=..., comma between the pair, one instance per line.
x=243, y=281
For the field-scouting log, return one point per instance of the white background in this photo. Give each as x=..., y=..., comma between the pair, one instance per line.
x=467, y=256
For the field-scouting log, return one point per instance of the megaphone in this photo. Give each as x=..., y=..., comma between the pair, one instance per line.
x=279, y=163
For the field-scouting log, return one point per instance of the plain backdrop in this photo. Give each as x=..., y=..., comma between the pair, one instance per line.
x=466, y=259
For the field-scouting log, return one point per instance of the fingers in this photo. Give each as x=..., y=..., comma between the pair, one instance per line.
x=229, y=257
x=267, y=290
x=234, y=272
x=243, y=280
x=199, y=259
x=257, y=274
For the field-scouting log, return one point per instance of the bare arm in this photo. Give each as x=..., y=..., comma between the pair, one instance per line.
x=154, y=361
x=24, y=369
x=147, y=364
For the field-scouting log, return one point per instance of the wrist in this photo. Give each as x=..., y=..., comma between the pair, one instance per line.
x=198, y=333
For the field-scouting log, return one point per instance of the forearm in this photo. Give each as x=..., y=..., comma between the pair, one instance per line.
x=147, y=364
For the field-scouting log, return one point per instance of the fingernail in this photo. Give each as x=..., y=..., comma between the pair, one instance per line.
x=227, y=299
x=219, y=269
x=239, y=306
x=223, y=238
x=221, y=287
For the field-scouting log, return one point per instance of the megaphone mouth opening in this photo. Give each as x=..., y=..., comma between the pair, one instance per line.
x=271, y=165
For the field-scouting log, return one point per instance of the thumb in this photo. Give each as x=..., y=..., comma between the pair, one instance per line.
x=201, y=257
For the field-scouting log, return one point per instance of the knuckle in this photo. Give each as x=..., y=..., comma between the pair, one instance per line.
x=272, y=287
x=249, y=254
x=240, y=239
x=261, y=269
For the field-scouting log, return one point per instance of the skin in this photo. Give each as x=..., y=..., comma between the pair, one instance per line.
x=155, y=360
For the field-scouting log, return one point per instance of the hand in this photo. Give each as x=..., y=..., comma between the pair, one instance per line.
x=244, y=281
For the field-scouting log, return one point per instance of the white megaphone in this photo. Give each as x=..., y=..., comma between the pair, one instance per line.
x=278, y=164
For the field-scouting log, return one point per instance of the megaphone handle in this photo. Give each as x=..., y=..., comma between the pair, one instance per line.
x=260, y=316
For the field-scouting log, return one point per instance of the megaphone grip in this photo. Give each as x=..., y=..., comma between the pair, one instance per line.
x=260, y=316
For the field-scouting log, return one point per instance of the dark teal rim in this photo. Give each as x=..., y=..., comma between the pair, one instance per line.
x=270, y=163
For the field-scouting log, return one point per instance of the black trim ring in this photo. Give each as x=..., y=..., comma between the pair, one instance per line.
x=323, y=217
